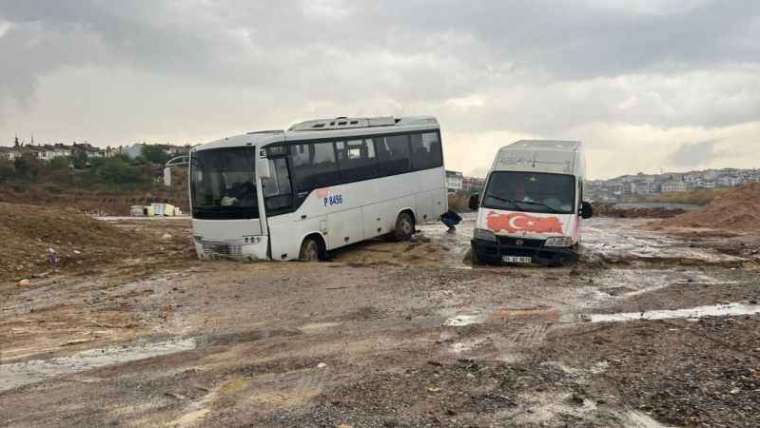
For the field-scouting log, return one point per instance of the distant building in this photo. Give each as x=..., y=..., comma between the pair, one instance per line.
x=728, y=181
x=454, y=181
x=10, y=153
x=674, y=186
x=50, y=152
x=472, y=184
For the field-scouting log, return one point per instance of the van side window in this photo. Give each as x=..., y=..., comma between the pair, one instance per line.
x=356, y=160
x=314, y=165
x=392, y=154
x=426, y=151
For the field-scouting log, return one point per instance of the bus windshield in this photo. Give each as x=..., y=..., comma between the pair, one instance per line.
x=223, y=184
x=530, y=192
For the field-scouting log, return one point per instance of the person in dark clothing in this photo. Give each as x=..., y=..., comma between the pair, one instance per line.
x=451, y=219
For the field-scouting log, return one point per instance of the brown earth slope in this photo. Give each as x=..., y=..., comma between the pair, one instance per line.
x=735, y=210
x=30, y=234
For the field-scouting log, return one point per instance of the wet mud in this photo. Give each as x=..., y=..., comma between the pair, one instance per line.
x=648, y=329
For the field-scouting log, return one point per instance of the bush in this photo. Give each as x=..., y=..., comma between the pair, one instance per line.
x=27, y=167
x=59, y=164
x=154, y=153
x=7, y=170
x=116, y=171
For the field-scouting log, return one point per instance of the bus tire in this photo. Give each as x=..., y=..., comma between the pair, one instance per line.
x=474, y=258
x=311, y=250
x=404, y=227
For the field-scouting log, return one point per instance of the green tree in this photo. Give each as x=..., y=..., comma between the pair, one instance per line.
x=79, y=159
x=154, y=153
x=118, y=172
x=7, y=171
x=27, y=167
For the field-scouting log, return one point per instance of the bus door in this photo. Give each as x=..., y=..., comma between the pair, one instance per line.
x=277, y=187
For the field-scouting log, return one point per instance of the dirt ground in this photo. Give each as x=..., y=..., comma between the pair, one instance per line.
x=652, y=328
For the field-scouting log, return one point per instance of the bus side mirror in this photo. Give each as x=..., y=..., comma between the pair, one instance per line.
x=474, y=202
x=167, y=177
x=262, y=167
x=586, y=210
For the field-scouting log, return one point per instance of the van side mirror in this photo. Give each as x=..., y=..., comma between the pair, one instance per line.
x=586, y=210
x=474, y=202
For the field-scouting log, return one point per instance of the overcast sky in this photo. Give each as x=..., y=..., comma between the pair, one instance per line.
x=647, y=85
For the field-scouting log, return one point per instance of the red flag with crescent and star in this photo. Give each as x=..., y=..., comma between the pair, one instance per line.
x=521, y=222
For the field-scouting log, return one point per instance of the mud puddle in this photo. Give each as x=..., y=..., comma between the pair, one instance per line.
x=617, y=239
x=28, y=372
x=730, y=309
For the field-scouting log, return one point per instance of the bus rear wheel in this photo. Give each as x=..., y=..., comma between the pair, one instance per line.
x=404, y=227
x=311, y=251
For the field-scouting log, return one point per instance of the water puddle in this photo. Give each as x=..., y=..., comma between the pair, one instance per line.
x=464, y=320
x=730, y=309
x=634, y=419
x=621, y=239
x=24, y=373
x=466, y=346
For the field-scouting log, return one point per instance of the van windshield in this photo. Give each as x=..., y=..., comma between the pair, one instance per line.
x=530, y=192
x=223, y=185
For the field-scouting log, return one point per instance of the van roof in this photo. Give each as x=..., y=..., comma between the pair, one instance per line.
x=551, y=156
x=558, y=145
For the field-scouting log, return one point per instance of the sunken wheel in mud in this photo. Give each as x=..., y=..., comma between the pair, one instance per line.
x=311, y=251
x=404, y=227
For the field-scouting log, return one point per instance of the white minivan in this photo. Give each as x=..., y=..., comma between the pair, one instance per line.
x=532, y=204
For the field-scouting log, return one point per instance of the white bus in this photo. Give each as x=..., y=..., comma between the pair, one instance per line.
x=318, y=186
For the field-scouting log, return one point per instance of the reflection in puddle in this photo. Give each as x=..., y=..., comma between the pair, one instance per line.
x=731, y=309
x=27, y=372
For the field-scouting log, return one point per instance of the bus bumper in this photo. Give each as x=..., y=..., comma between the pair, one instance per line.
x=495, y=252
x=255, y=248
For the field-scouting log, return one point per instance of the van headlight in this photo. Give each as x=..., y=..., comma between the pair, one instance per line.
x=484, y=234
x=559, y=241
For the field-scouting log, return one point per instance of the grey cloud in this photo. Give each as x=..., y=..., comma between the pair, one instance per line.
x=540, y=67
x=692, y=155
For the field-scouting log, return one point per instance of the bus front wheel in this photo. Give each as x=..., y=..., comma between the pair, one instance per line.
x=404, y=227
x=310, y=251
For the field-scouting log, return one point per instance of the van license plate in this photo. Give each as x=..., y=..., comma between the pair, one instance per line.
x=517, y=259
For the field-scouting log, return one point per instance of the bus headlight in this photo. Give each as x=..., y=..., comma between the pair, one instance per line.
x=484, y=234
x=560, y=241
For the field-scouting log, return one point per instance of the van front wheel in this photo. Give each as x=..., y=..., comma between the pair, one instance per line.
x=404, y=227
x=310, y=251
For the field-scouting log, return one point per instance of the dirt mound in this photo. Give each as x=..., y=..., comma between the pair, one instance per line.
x=37, y=240
x=100, y=203
x=737, y=210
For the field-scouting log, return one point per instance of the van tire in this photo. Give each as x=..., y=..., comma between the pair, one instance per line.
x=404, y=227
x=311, y=250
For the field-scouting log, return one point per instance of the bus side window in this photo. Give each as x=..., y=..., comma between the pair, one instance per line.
x=314, y=165
x=356, y=160
x=426, y=151
x=392, y=154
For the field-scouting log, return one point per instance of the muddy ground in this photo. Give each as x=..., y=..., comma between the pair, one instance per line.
x=394, y=334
